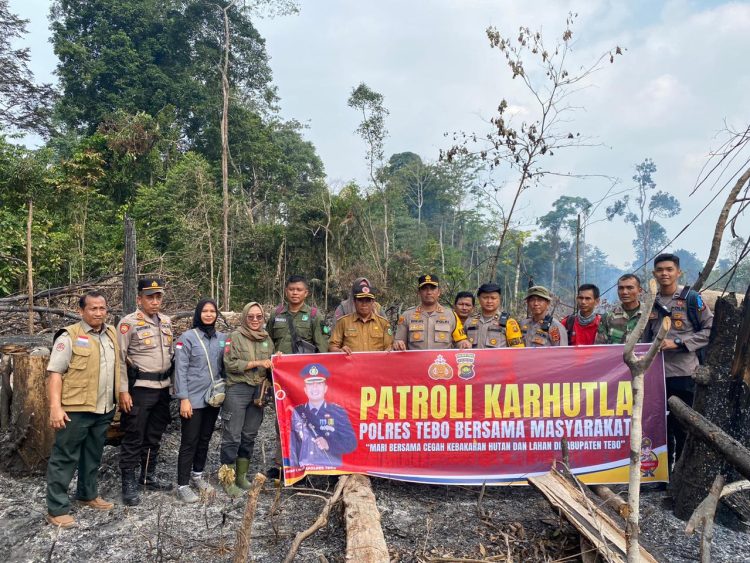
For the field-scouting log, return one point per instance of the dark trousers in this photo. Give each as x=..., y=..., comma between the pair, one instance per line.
x=77, y=446
x=684, y=388
x=241, y=422
x=196, y=434
x=143, y=427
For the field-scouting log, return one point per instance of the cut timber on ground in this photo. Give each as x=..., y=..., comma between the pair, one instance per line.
x=365, y=542
x=598, y=528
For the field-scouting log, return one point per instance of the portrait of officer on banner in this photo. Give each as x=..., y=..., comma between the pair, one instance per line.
x=321, y=432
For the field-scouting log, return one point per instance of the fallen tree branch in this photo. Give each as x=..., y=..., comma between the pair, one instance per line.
x=615, y=502
x=729, y=448
x=704, y=516
x=736, y=487
x=365, y=541
x=243, y=533
x=321, y=521
x=51, y=311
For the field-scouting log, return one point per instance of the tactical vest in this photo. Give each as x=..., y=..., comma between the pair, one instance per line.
x=80, y=384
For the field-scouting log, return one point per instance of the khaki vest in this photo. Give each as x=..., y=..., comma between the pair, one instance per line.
x=80, y=386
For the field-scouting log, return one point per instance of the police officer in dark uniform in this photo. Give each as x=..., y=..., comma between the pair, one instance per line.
x=321, y=431
x=146, y=345
x=690, y=330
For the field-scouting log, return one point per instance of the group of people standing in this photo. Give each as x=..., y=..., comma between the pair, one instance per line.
x=140, y=365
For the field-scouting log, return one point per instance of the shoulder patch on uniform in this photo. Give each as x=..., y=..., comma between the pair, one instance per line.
x=326, y=330
x=554, y=334
x=124, y=328
x=178, y=345
x=401, y=320
x=60, y=346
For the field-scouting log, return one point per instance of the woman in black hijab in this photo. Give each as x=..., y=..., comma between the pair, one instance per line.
x=199, y=354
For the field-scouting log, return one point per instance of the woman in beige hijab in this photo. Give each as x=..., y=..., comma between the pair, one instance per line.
x=247, y=362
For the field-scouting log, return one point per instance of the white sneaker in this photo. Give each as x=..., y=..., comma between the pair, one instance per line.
x=203, y=486
x=185, y=494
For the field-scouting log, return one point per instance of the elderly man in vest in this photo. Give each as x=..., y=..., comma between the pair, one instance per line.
x=83, y=381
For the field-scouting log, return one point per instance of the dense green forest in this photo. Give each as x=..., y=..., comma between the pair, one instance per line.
x=134, y=128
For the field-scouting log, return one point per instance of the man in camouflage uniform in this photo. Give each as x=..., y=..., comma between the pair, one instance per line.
x=540, y=329
x=296, y=316
x=295, y=328
x=616, y=325
x=146, y=346
x=689, y=332
x=490, y=327
x=429, y=326
x=364, y=330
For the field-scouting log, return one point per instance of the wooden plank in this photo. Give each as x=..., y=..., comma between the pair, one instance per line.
x=606, y=535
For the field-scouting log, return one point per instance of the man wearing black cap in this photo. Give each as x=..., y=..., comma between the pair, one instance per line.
x=364, y=330
x=146, y=358
x=490, y=327
x=321, y=431
x=541, y=329
x=429, y=326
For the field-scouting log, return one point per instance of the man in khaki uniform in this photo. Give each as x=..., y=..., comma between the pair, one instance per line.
x=146, y=354
x=540, y=329
x=616, y=325
x=363, y=330
x=429, y=326
x=83, y=377
x=691, y=328
x=490, y=327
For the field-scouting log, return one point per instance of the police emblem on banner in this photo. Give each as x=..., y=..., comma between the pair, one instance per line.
x=465, y=361
x=440, y=369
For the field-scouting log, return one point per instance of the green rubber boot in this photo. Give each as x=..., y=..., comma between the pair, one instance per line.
x=226, y=478
x=243, y=464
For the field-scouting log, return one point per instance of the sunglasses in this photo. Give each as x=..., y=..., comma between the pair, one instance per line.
x=255, y=317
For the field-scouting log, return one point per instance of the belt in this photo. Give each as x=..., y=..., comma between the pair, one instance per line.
x=152, y=376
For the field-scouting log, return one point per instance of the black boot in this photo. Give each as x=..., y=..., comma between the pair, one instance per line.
x=130, y=494
x=151, y=481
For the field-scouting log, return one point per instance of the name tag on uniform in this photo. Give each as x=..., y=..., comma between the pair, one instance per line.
x=279, y=319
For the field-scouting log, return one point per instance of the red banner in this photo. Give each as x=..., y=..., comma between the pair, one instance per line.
x=467, y=417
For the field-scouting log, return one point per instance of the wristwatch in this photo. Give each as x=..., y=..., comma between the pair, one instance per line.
x=678, y=342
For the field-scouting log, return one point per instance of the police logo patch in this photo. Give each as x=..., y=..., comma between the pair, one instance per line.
x=60, y=347
x=554, y=334
x=440, y=369
x=678, y=323
x=465, y=361
x=124, y=328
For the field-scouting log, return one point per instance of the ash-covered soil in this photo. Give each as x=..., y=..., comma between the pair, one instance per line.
x=421, y=523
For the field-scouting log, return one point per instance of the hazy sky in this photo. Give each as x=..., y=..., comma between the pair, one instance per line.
x=681, y=80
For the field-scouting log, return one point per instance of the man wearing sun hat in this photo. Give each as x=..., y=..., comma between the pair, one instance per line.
x=146, y=357
x=363, y=330
x=429, y=326
x=541, y=329
x=321, y=431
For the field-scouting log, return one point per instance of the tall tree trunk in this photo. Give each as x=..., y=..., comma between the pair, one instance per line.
x=578, y=255
x=129, y=269
x=225, y=156
x=638, y=367
x=442, y=250
x=29, y=265
x=518, y=277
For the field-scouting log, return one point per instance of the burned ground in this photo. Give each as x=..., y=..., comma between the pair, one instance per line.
x=421, y=523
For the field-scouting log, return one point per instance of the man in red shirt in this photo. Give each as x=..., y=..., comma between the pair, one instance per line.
x=582, y=326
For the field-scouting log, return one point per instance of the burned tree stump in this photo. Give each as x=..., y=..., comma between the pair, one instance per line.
x=30, y=438
x=723, y=397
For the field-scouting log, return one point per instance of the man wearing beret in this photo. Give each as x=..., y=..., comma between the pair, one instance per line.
x=490, y=327
x=146, y=358
x=540, y=329
x=429, y=326
x=321, y=431
x=83, y=372
x=364, y=330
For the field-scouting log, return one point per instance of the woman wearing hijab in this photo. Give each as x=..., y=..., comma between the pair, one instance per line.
x=199, y=357
x=247, y=360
